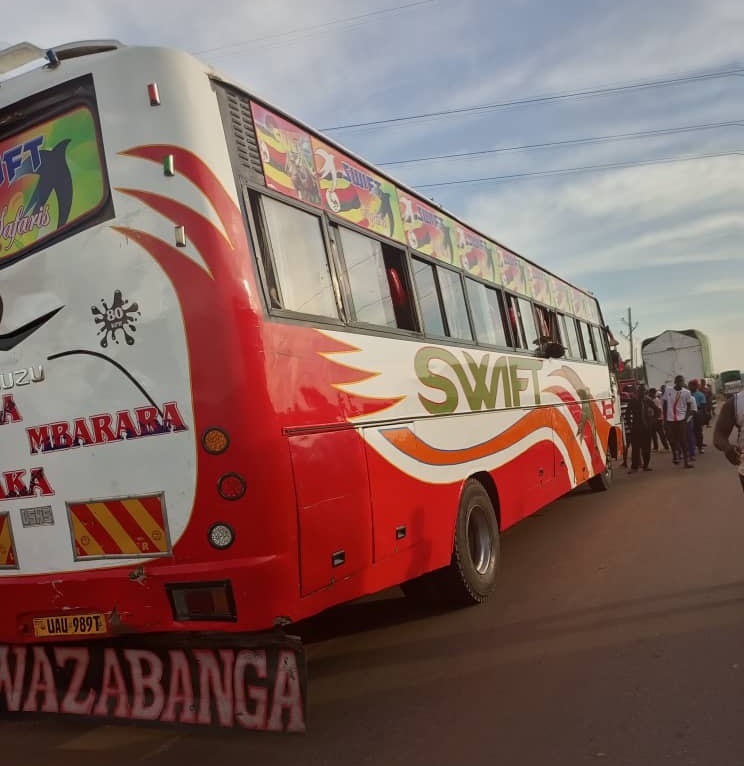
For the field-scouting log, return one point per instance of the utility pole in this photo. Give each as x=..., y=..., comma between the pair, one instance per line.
x=629, y=337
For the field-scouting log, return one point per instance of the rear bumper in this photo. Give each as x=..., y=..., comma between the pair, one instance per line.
x=134, y=599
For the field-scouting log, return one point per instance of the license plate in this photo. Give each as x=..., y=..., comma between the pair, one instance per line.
x=70, y=625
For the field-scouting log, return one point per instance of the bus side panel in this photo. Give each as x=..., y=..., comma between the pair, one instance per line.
x=411, y=517
x=537, y=474
x=333, y=507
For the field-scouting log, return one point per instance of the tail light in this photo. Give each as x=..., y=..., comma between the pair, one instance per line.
x=199, y=601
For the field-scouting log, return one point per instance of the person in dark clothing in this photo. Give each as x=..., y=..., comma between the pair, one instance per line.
x=641, y=414
x=731, y=417
x=625, y=396
x=698, y=419
x=657, y=431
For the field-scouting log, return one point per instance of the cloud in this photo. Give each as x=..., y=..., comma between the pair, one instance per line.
x=726, y=285
x=663, y=239
x=621, y=218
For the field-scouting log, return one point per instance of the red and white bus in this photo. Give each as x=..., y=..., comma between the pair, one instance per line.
x=246, y=376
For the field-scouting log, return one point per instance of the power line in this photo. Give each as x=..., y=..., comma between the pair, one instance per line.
x=738, y=71
x=325, y=25
x=568, y=142
x=583, y=168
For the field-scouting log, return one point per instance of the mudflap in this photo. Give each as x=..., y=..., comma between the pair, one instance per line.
x=255, y=681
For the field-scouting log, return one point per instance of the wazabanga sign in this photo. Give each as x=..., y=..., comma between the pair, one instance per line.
x=258, y=687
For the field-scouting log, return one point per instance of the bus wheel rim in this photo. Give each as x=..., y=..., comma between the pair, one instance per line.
x=480, y=543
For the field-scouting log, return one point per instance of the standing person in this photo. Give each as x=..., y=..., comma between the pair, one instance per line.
x=731, y=416
x=708, y=391
x=641, y=415
x=657, y=431
x=626, y=394
x=699, y=419
x=677, y=410
x=691, y=450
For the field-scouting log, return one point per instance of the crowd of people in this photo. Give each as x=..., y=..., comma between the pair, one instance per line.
x=673, y=417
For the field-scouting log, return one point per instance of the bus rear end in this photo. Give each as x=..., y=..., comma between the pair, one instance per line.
x=120, y=484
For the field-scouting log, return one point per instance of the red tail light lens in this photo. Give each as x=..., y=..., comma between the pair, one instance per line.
x=231, y=486
x=202, y=601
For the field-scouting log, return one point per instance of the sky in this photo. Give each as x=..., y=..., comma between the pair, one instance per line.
x=632, y=182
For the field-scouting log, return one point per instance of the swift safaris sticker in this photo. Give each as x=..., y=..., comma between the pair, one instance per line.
x=52, y=174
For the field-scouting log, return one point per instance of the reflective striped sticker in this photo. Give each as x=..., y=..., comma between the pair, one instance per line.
x=128, y=526
x=8, y=558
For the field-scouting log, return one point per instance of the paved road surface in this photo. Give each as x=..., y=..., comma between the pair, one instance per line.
x=616, y=637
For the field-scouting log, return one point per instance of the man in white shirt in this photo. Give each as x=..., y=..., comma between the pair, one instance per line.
x=678, y=403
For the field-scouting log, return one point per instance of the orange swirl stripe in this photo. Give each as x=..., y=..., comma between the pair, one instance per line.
x=411, y=445
x=603, y=427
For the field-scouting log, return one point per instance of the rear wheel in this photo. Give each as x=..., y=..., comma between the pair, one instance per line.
x=470, y=576
x=602, y=481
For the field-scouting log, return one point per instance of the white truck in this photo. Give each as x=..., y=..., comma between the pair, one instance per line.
x=676, y=352
x=730, y=382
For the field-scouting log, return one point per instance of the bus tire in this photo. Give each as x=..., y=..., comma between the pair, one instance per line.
x=602, y=481
x=470, y=577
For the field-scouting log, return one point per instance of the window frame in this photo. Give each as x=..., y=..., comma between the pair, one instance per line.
x=265, y=256
x=584, y=326
x=435, y=267
x=488, y=287
x=521, y=343
x=599, y=337
x=437, y=292
x=335, y=233
x=573, y=352
x=465, y=303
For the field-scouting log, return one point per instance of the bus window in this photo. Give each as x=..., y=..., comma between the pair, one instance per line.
x=531, y=334
x=547, y=325
x=428, y=296
x=599, y=343
x=570, y=337
x=551, y=343
x=453, y=299
x=300, y=259
x=400, y=292
x=516, y=336
x=376, y=281
x=486, y=310
x=589, y=352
